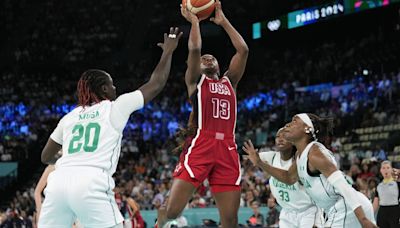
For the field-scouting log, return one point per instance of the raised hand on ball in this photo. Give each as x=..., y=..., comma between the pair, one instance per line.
x=219, y=14
x=189, y=16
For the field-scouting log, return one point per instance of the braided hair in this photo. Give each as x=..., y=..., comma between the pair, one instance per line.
x=89, y=87
x=183, y=134
x=323, y=127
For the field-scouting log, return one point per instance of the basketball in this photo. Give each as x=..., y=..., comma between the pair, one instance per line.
x=202, y=8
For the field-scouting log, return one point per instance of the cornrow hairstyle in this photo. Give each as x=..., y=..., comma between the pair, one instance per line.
x=323, y=127
x=89, y=87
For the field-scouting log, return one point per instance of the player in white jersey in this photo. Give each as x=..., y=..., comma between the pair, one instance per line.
x=298, y=210
x=316, y=169
x=90, y=137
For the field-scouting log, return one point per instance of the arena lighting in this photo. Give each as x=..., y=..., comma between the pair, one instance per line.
x=316, y=14
x=257, y=30
x=274, y=25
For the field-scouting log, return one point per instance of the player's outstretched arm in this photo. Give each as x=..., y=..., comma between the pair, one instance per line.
x=160, y=74
x=238, y=61
x=317, y=160
x=286, y=176
x=193, y=71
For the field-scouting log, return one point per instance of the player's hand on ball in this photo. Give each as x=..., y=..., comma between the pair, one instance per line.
x=252, y=152
x=171, y=40
x=189, y=16
x=219, y=14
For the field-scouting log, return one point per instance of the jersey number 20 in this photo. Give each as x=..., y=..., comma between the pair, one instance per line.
x=91, y=140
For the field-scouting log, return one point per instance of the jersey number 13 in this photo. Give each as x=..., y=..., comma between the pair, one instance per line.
x=221, y=108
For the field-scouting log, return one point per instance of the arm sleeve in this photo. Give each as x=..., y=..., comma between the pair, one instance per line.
x=336, y=179
x=57, y=135
x=267, y=156
x=124, y=106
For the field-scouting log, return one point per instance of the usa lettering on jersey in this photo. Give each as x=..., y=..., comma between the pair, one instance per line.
x=219, y=88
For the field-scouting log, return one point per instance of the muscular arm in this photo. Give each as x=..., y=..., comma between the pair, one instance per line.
x=158, y=78
x=318, y=161
x=49, y=152
x=193, y=62
x=289, y=177
x=238, y=61
x=160, y=74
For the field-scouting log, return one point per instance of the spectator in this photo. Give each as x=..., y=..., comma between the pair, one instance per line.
x=272, y=219
x=380, y=154
x=387, y=198
x=133, y=209
x=365, y=173
x=256, y=219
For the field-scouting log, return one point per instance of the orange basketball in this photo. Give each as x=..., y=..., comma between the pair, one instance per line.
x=202, y=8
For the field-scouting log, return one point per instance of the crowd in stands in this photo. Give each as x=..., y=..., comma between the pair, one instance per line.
x=355, y=80
x=146, y=163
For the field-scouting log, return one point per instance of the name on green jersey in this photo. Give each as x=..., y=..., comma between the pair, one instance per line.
x=279, y=184
x=88, y=116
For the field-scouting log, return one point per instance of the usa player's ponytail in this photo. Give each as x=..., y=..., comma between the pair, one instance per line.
x=89, y=87
x=323, y=128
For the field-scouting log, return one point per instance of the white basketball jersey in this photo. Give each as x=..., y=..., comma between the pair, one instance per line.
x=89, y=139
x=290, y=197
x=317, y=186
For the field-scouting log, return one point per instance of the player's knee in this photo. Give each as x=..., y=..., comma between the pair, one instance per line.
x=172, y=212
x=172, y=215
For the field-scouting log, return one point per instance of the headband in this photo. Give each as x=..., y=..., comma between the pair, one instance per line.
x=306, y=119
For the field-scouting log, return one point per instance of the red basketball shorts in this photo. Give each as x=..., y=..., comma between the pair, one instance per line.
x=212, y=156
